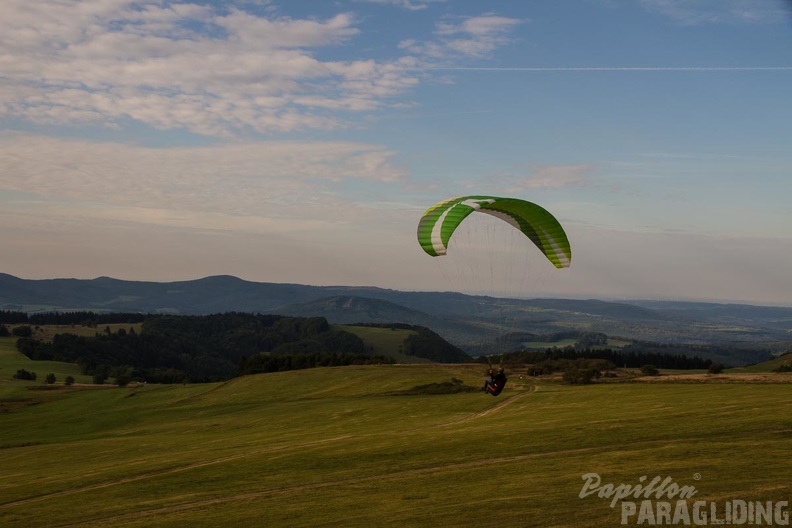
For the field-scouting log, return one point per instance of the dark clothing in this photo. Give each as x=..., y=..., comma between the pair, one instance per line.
x=495, y=384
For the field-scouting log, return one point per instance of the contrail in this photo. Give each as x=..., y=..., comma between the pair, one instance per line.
x=618, y=68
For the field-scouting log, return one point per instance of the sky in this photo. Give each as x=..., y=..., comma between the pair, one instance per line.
x=301, y=140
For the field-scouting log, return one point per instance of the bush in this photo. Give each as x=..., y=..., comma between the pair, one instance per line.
x=580, y=376
x=50, y=379
x=786, y=367
x=715, y=368
x=25, y=375
x=99, y=379
x=4, y=331
x=650, y=370
x=69, y=380
x=22, y=331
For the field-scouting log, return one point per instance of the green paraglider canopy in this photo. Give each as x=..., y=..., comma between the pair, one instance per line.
x=439, y=222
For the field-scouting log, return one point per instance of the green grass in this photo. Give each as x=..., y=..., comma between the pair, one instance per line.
x=11, y=361
x=385, y=341
x=330, y=447
x=544, y=345
x=766, y=366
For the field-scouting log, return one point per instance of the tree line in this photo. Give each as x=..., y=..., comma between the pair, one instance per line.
x=175, y=349
x=81, y=318
x=627, y=358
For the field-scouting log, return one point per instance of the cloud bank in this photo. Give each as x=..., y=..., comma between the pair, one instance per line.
x=211, y=71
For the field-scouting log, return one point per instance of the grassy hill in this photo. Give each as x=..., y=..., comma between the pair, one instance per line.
x=385, y=341
x=11, y=361
x=766, y=366
x=338, y=447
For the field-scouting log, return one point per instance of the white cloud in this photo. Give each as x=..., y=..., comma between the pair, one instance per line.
x=183, y=66
x=558, y=175
x=544, y=176
x=410, y=5
x=233, y=186
x=212, y=72
x=696, y=12
x=471, y=37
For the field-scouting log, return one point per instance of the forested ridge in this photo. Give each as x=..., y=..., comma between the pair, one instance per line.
x=173, y=349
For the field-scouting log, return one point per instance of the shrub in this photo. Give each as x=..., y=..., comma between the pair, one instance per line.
x=22, y=331
x=650, y=370
x=715, y=368
x=580, y=376
x=69, y=380
x=50, y=379
x=25, y=375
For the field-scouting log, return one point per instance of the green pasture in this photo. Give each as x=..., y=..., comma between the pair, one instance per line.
x=385, y=341
x=11, y=361
x=544, y=345
x=563, y=343
x=338, y=447
x=767, y=366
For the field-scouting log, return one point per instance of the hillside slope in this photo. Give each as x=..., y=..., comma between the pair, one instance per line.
x=345, y=447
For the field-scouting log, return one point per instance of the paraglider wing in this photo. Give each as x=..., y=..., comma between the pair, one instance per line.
x=440, y=221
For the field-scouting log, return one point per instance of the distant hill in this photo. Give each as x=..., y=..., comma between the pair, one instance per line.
x=465, y=321
x=347, y=309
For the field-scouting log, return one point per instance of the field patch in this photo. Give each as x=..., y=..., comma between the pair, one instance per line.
x=11, y=361
x=385, y=341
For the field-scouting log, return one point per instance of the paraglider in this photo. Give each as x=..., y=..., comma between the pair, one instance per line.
x=496, y=383
x=440, y=221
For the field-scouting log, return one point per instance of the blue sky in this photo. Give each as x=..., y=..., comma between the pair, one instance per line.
x=300, y=141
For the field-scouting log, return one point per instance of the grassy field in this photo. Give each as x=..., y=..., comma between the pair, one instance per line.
x=336, y=447
x=385, y=341
x=544, y=345
x=11, y=361
x=767, y=366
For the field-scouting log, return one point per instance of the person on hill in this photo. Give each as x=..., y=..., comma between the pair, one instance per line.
x=495, y=384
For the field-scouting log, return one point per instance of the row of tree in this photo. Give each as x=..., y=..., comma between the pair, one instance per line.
x=628, y=358
x=172, y=349
x=81, y=318
x=278, y=363
x=24, y=374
